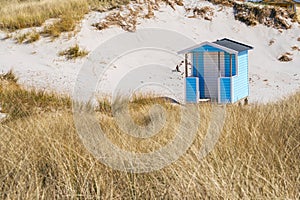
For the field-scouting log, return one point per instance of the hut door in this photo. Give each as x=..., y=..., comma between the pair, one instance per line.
x=211, y=74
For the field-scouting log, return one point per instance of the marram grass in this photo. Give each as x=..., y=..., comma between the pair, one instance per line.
x=41, y=155
x=17, y=14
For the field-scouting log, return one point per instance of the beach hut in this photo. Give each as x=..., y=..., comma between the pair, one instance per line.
x=218, y=72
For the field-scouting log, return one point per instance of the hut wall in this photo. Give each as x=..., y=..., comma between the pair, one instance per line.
x=241, y=81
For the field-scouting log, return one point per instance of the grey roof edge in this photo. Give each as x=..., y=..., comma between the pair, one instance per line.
x=187, y=50
x=236, y=42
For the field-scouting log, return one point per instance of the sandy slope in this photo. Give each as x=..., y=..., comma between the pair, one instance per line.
x=39, y=65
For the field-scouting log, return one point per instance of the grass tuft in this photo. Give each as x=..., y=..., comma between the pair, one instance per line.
x=29, y=37
x=9, y=76
x=74, y=52
x=33, y=37
x=21, y=38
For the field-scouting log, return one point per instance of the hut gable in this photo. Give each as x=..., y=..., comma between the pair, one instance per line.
x=207, y=46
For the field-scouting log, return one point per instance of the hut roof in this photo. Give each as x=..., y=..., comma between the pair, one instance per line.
x=225, y=44
x=234, y=45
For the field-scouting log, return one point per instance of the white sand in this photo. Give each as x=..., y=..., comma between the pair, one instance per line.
x=38, y=65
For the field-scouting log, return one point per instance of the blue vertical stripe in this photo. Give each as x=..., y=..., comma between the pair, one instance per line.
x=192, y=90
x=201, y=74
x=225, y=90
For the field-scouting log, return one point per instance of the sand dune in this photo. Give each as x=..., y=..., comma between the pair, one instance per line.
x=38, y=64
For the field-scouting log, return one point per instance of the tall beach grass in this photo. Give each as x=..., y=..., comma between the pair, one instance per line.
x=42, y=157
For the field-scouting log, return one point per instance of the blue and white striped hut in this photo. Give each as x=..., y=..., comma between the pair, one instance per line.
x=219, y=72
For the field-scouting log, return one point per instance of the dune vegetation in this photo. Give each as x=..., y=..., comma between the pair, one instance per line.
x=74, y=52
x=41, y=155
x=65, y=15
x=19, y=14
x=29, y=13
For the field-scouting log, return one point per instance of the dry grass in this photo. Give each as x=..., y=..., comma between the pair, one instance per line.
x=29, y=37
x=295, y=48
x=21, y=38
x=10, y=77
x=33, y=37
x=205, y=12
x=128, y=16
x=74, y=52
x=252, y=15
x=286, y=57
x=17, y=14
x=257, y=156
x=271, y=42
x=19, y=103
x=24, y=14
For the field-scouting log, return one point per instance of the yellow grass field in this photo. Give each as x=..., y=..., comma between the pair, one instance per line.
x=18, y=14
x=22, y=14
x=42, y=157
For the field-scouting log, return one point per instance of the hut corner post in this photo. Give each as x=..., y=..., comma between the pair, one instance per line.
x=186, y=64
x=231, y=80
x=230, y=65
x=219, y=64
